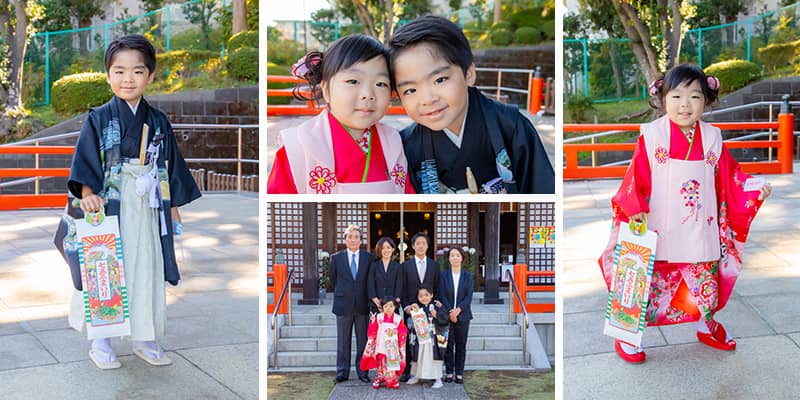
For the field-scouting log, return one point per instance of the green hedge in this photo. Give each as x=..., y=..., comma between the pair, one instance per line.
x=182, y=63
x=501, y=37
x=527, y=35
x=274, y=69
x=79, y=92
x=778, y=55
x=242, y=64
x=501, y=25
x=734, y=74
x=243, y=39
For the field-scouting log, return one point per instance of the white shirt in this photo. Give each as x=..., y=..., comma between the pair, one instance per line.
x=457, y=139
x=456, y=277
x=421, y=264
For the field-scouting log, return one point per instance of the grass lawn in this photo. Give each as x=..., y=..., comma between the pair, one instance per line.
x=299, y=385
x=510, y=385
x=608, y=112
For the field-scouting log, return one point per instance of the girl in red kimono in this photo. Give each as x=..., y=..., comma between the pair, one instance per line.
x=386, y=346
x=343, y=149
x=687, y=187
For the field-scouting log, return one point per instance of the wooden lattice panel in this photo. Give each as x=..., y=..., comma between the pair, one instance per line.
x=352, y=214
x=286, y=229
x=538, y=259
x=451, y=225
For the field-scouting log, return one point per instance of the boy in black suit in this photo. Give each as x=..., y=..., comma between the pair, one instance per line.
x=348, y=275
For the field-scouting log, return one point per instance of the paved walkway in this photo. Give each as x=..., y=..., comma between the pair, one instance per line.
x=762, y=314
x=545, y=125
x=212, y=316
x=355, y=389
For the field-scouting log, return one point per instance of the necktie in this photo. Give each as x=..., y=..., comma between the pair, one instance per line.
x=421, y=270
x=353, y=267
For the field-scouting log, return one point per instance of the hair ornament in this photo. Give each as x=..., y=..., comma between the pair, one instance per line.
x=655, y=87
x=713, y=82
x=304, y=64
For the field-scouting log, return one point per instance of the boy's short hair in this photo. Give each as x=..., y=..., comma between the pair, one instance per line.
x=132, y=42
x=443, y=35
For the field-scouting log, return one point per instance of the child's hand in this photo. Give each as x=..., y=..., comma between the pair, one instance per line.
x=766, y=190
x=638, y=217
x=371, y=317
x=414, y=307
x=91, y=203
x=453, y=317
x=433, y=313
x=437, y=303
x=176, y=215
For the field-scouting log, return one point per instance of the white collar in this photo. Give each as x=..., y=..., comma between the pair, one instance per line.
x=350, y=254
x=457, y=139
x=134, y=107
x=419, y=260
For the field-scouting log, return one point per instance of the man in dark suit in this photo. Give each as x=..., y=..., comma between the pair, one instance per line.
x=348, y=274
x=418, y=271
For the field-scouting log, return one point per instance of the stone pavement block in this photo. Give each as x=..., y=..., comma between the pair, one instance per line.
x=236, y=366
x=780, y=310
x=204, y=331
x=69, y=345
x=585, y=296
x=43, y=318
x=764, y=281
x=764, y=257
x=760, y=368
x=21, y=351
x=355, y=389
x=739, y=319
x=134, y=381
x=583, y=334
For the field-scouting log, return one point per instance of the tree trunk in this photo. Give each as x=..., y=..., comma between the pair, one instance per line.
x=387, y=23
x=497, y=9
x=239, y=16
x=365, y=18
x=83, y=36
x=612, y=51
x=673, y=34
x=639, y=37
x=16, y=37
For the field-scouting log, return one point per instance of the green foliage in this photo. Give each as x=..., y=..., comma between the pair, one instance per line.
x=243, y=39
x=79, y=92
x=785, y=31
x=181, y=64
x=282, y=51
x=734, y=74
x=273, y=69
x=225, y=18
x=501, y=25
x=242, y=64
x=200, y=13
x=527, y=35
x=323, y=25
x=778, y=55
x=193, y=39
x=501, y=37
x=578, y=107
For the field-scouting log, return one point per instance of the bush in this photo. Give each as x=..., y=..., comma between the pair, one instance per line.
x=242, y=64
x=501, y=37
x=274, y=69
x=183, y=61
x=549, y=29
x=243, y=39
x=734, y=74
x=778, y=55
x=501, y=25
x=79, y=92
x=527, y=35
x=578, y=106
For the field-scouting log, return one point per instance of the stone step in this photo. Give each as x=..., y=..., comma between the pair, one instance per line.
x=328, y=358
x=329, y=344
x=323, y=331
x=330, y=319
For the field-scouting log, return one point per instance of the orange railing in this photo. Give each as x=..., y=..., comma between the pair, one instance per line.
x=36, y=200
x=783, y=165
x=521, y=275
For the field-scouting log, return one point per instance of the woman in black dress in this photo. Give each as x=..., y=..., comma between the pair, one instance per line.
x=385, y=278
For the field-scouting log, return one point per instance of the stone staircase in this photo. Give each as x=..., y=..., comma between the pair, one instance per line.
x=310, y=342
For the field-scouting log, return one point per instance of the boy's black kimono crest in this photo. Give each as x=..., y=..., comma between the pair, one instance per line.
x=111, y=134
x=498, y=142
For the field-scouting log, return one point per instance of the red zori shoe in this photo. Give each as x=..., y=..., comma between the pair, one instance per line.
x=717, y=339
x=636, y=358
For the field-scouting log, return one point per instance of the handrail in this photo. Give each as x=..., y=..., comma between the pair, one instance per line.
x=512, y=288
x=287, y=285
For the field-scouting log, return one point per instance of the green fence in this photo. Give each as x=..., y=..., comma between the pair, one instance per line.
x=192, y=25
x=589, y=64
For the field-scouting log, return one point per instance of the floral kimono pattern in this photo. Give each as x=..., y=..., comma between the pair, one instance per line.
x=386, y=349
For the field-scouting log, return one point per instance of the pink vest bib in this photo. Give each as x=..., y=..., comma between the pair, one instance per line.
x=309, y=148
x=683, y=201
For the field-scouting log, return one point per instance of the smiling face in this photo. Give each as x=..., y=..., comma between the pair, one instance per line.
x=386, y=251
x=128, y=76
x=424, y=296
x=358, y=96
x=353, y=240
x=420, y=247
x=455, y=258
x=388, y=307
x=433, y=91
x=685, y=104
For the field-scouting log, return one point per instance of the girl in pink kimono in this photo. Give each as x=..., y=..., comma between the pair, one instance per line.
x=386, y=346
x=344, y=149
x=687, y=187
